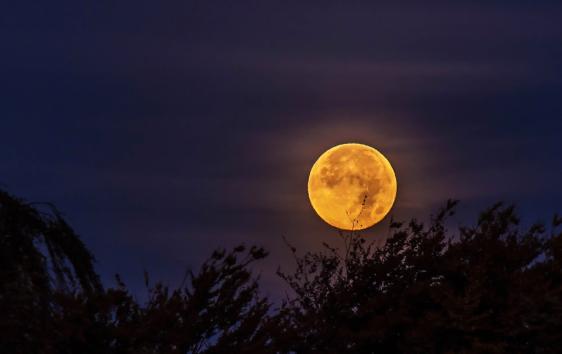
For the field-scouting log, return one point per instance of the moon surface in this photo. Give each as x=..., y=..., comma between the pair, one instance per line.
x=352, y=186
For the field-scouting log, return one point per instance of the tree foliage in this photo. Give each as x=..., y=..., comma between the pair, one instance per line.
x=494, y=287
x=39, y=255
x=219, y=311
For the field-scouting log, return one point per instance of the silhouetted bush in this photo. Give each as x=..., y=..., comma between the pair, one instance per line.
x=218, y=311
x=51, y=300
x=490, y=288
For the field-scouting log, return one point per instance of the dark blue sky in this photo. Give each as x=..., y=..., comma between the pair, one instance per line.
x=166, y=129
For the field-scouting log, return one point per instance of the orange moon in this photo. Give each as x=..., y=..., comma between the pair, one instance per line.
x=352, y=186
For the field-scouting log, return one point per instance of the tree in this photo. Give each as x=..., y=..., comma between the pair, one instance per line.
x=492, y=288
x=218, y=311
x=51, y=299
x=39, y=255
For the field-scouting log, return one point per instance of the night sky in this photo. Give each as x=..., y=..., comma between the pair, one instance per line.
x=164, y=130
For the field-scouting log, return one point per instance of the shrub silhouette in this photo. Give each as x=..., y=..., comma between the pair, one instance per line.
x=46, y=310
x=494, y=287
x=220, y=311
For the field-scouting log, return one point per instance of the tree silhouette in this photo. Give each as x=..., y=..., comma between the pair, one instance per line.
x=491, y=289
x=218, y=311
x=51, y=299
x=494, y=287
x=39, y=254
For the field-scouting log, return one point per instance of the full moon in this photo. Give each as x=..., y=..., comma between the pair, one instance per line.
x=352, y=186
